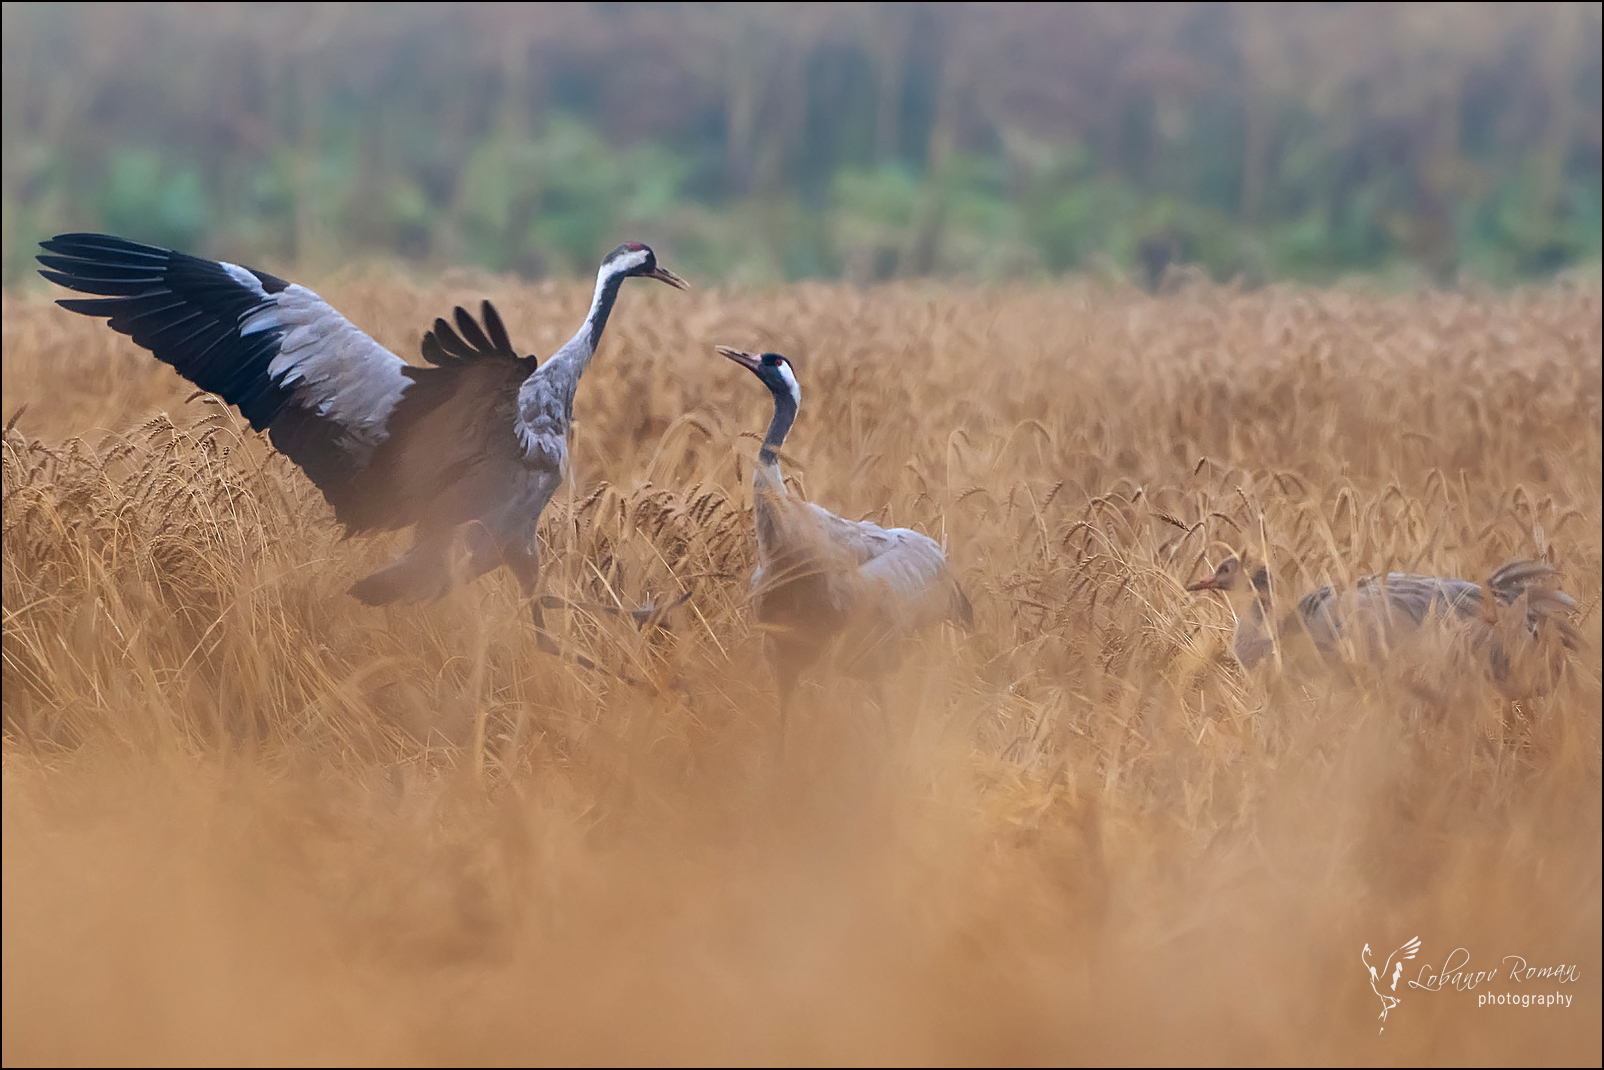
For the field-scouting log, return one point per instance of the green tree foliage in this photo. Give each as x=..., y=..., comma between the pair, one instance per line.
x=762, y=142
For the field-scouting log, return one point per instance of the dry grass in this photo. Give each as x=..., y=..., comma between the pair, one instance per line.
x=247, y=819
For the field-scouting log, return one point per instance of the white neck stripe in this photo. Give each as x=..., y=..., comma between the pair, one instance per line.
x=791, y=385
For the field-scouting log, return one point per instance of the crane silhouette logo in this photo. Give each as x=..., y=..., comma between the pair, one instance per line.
x=1385, y=983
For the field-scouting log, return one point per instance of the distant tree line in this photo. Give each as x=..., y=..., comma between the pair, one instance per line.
x=782, y=141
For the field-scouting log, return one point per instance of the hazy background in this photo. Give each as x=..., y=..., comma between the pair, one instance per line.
x=246, y=820
x=771, y=142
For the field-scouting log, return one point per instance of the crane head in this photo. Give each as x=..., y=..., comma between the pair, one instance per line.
x=775, y=371
x=1224, y=579
x=1229, y=575
x=636, y=259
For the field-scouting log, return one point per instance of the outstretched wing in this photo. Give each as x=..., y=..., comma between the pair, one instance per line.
x=289, y=362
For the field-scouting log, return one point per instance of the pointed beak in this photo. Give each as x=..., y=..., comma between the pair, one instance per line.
x=1210, y=584
x=745, y=360
x=662, y=274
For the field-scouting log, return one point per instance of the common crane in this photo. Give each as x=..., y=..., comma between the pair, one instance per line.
x=819, y=577
x=475, y=442
x=1380, y=610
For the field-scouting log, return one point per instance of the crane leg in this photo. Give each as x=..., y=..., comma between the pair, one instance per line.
x=548, y=642
x=649, y=615
x=526, y=566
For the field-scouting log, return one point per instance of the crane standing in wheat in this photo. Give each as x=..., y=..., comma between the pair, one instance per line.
x=821, y=578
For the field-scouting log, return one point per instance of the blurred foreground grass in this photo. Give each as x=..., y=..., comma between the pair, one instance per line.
x=249, y=820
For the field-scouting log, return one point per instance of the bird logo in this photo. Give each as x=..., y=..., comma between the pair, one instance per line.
x=1383, y=984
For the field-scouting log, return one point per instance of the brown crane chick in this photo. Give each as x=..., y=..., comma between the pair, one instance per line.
x=1382, y=611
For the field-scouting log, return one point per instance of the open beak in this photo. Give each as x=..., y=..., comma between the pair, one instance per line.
x=662, y=274
x=745, y=360
x=1210, y=584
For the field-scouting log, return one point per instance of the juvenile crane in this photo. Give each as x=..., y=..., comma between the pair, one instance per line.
x=819, y=577
x=476, y=442
x=1380, y=611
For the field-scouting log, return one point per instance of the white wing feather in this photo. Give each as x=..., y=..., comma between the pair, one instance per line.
x=335, y=368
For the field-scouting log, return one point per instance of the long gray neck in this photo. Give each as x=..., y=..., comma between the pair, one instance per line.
x=779, y=427
x=578, y=350
x=601, y=306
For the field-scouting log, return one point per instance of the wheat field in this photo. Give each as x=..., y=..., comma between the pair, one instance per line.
x=248, y=820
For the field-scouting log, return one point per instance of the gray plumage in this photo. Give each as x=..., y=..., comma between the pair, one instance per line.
x=1380, y=611
x=473, y=443
x=821, y=578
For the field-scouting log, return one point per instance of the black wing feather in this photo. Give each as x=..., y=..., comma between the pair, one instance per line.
x=472, y=333
x=499, y=339
x=84, y=269
x=166, y=301
x=455, y=348
x=443, y=346
x=434, y=352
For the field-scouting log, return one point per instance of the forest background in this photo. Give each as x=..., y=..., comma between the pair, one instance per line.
x=763, y=143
